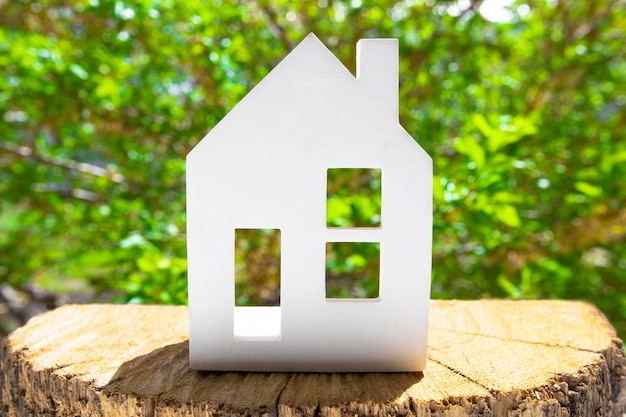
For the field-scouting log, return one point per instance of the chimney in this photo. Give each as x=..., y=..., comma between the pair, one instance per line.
x=377, y=72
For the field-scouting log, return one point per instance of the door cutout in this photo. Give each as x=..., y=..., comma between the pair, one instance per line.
x=257, y=284
x=353, y=270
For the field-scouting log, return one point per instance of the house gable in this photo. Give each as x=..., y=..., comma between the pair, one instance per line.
x=309, y=69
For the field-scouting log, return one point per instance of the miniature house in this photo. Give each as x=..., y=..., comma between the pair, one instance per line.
x=265, y=166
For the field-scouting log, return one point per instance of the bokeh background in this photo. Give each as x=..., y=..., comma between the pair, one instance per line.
x=522, y=105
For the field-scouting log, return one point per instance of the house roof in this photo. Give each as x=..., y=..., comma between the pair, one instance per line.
x=311, y=80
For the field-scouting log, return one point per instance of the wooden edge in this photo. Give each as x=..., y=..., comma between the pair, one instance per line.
x=58, y=364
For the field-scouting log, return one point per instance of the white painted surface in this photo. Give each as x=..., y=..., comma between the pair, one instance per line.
x=264, y=166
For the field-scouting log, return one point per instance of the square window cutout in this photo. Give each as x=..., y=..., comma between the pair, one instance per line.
x=353, y=197
x=352, y=270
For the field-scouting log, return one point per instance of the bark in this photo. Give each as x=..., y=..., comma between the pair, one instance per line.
x=488, y=357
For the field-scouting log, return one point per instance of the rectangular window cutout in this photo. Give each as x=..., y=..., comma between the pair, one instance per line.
x=353, y=197
x=257, y=284
x=257, y=267
x=352, y=270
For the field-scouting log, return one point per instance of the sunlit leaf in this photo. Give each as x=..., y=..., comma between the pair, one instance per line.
x=588, y=189
x=469, y=146
x=508, y=215
x=79, y=71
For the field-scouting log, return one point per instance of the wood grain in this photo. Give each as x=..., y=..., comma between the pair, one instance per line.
x=488, y=357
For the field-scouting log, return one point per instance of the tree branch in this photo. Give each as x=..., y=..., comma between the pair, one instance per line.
x=69, y=164
x=66, y=191
x=275, y=28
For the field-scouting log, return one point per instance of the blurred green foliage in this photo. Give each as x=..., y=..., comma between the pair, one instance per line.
x=352, y=270
x=523, y=109
x=257, y=267
x=353, y=197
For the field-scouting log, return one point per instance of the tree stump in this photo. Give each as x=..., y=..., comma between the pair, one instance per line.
x=488, y=357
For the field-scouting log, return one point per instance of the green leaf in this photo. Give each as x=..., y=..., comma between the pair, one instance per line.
x=148, y=263
x=134, y=239
x=469, y=146
x=510, y=130
x=508, y=215
x=509, y=288
x=480, y=121
x=609, y=161
x=588, y=189
x=338, y=211
x=79, y=71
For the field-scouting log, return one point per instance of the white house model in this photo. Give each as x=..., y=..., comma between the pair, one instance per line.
x=265, y=166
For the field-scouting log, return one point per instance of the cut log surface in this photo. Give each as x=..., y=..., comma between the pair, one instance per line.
x=488, y=357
